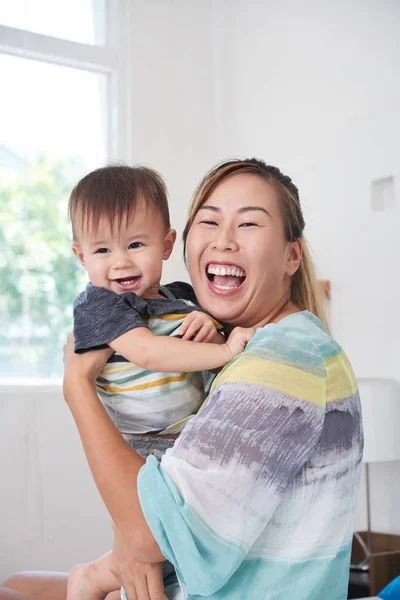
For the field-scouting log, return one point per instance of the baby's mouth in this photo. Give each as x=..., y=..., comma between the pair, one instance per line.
x=225, y=277
x=127, y=281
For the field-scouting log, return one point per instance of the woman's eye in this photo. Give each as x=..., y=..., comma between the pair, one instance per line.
x=248, y=224
x=135, y=245
x=102, y=251
x=206, y=222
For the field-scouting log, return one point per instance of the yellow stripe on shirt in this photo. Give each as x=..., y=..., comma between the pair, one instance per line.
x=176, y=317
x=144, y=386
x=275, y=375
x=341, y=380
x=120, y=369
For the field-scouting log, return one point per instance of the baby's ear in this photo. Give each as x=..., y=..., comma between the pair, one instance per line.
x=79, y=254
x=169, y=242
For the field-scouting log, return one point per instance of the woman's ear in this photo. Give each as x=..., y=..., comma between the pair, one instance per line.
x=79, y=254
x=169, y=242
x=294, y=257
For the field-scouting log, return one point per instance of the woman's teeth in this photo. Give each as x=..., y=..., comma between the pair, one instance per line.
x=225, y=277
x=225, y=287
x=235, y=271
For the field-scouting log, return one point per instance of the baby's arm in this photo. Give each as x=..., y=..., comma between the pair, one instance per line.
x=102, y=318
x=162, y=353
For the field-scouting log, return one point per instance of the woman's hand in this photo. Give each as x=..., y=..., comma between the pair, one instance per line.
x=141, y=581
x=88, y=365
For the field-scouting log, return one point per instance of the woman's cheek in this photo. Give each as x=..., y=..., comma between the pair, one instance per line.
x=194, y=253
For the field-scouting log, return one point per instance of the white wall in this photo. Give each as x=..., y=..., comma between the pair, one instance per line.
x=51, y=513
x=313, y=87
x=171, y=90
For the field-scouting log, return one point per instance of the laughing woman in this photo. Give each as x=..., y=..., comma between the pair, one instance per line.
x=255, y=500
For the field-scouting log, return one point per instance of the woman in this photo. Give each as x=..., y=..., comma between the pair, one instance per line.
x=256, y=499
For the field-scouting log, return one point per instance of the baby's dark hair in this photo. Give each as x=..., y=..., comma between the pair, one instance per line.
x=113, y=193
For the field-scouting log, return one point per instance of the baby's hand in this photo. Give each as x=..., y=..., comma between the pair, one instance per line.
x=198, y=326
x=238, y=339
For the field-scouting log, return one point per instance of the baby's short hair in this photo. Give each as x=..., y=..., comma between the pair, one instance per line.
x=113, y=193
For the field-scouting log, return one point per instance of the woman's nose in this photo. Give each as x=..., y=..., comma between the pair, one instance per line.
x=224, y=240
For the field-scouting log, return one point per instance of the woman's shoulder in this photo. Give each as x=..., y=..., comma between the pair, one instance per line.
x=299, y=339
x=296, y=356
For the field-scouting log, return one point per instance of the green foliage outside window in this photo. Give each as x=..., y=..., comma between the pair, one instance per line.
x=39, y=276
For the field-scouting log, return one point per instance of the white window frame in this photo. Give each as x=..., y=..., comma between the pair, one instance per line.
x=111, y=59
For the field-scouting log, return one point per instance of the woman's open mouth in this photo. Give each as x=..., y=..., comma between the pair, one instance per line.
x=225, y=277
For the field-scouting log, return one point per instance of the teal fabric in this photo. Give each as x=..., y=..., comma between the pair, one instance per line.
x=391, y=591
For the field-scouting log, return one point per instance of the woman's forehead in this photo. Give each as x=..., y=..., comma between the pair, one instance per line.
x=241, y=190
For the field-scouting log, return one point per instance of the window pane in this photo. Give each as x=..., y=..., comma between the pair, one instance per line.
x=75, y=20
x=52, y=131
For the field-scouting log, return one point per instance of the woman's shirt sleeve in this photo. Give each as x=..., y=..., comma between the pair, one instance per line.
x=216, y=490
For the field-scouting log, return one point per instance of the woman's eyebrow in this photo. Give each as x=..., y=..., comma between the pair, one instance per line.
x=249, y=208
x=208, y=207
x=240, y=210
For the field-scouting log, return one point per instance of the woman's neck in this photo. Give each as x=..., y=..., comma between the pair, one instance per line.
x=282, y=309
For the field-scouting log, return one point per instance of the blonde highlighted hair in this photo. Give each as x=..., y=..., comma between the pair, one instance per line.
x=305, y=290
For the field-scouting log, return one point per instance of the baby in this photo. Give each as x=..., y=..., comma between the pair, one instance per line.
x=153, y=383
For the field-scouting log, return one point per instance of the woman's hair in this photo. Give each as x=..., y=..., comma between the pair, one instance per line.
x=305, y=290
x=113, y=193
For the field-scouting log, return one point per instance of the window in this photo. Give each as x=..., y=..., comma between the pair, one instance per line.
x=58, y=111
x=75, y=20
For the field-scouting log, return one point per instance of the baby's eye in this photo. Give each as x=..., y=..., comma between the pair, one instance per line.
x=135, y=245
x=102, y=251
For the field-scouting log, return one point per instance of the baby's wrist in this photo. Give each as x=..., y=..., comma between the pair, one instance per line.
x=228, y=352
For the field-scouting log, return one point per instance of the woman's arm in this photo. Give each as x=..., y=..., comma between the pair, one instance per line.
x=114, y=465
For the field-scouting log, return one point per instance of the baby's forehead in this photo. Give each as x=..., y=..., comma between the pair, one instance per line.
x=142, y=220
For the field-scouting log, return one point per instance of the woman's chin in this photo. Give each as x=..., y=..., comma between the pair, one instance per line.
x=225, y=305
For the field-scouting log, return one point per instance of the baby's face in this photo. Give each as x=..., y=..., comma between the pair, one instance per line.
x=128, y=258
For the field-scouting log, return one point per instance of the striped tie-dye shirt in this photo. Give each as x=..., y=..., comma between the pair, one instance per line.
x=256, y=499
x=139, y=401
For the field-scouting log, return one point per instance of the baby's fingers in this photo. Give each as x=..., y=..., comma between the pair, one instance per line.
x=186, y=323
x=192, y=329
x=204, y=333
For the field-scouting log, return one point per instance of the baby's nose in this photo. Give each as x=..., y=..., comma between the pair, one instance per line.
x=122, y=260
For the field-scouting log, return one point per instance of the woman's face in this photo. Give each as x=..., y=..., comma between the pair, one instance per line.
x=238, y=258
